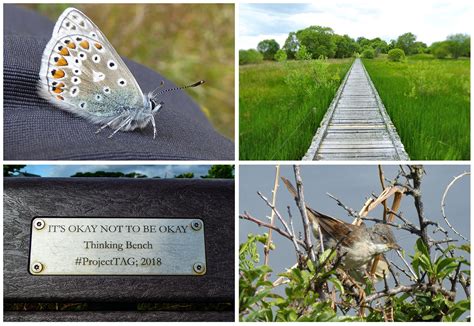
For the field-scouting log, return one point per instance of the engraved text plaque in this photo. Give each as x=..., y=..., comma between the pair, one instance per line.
x=117, y=246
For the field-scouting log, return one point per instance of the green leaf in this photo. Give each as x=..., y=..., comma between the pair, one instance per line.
x=337, y=284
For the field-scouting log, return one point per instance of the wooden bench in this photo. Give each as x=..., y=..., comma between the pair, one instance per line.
x=208, y=297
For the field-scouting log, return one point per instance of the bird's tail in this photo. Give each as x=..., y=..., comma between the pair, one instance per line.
x=290, y=187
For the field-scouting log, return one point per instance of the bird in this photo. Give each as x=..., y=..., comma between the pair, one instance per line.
x=358, y=244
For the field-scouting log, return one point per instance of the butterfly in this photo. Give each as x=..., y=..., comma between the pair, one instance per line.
x=83, y=74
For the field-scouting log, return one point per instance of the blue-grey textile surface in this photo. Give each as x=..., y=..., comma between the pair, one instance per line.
x=36, y=130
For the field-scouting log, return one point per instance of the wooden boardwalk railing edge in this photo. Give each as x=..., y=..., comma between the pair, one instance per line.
x=318, y=137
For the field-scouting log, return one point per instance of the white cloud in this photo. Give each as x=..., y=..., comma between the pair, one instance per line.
x=430, y=21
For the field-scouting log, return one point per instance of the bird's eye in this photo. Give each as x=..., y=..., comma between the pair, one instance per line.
x=385, y=238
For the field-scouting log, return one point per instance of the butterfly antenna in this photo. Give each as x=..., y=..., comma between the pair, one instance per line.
x=161, y=85
x=182, y=87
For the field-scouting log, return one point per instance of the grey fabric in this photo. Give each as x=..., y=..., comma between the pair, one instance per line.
x=36, y=130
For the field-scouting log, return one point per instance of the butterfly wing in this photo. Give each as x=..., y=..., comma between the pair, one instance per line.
x=82, y=73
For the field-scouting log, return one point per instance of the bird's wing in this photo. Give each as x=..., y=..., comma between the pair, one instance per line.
x=335, y=228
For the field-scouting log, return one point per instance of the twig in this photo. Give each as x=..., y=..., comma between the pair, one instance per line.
x=381, y=177
x=290, y=237
x=407, y=265
x=416, y=174
x=302, y=207
x=443, y=199
x=340, y=203
x=266, y=249
x=409, y=288
x=403, y=271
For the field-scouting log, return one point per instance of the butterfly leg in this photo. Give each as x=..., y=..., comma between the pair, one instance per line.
x=108, y=124
x=154, y=126
x=127, y=121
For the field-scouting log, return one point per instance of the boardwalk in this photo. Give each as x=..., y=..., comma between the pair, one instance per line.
x=356, y=125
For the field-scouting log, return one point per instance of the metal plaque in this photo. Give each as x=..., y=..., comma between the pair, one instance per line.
x=117, y=246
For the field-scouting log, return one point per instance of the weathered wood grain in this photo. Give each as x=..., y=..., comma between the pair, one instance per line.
x=356, y=125
x=123, y=316
x=210, y=200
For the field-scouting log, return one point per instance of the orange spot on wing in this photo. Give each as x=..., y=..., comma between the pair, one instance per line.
x=58, y=73
x=64, y=51
x=71, y=45
x=98, y=46
x=58, y=89
x=61, y=62
x=84, y=44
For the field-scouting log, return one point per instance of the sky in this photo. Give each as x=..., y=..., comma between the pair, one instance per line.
x=352, y=185
x=163, y=171
x=430, y=21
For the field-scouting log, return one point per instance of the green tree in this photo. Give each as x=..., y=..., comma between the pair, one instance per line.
x=280, y=56
x=186, y=175
x=459, y=45
x=396, y=55
x=303, y=54
x=368, y=53
x=268, y=48
x=291, y=45
x=249, y=56
x=220, y=172
x=345, y=46
x=318, y=40
x=379, y=45
x=419, y=47
x=363, y=42
x=406, y=42
x=440, y=49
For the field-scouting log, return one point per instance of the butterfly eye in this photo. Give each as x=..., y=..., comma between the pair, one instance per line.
x=112, y=65
x=122, y=82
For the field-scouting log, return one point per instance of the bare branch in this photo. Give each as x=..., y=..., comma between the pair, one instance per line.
x=302, y=207
x=443, y=204
x=290, y=237
x=347, y=209
x=266, y=249
x=414, y=277
x=410, y=288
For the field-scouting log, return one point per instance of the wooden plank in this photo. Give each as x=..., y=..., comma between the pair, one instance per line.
x=358, y=126
x=123, y=316
x=210, y=200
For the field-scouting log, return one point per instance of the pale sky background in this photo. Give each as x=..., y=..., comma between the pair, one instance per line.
x=352, y=184
x=163, y=171
x=430, y=21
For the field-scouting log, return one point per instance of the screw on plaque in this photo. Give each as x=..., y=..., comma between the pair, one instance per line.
x=199, y=268
x=39, y=224
x=196, y=225
x=37, y=267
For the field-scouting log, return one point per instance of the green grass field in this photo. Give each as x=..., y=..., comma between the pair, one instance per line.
x=428, y=100
x=281, y=105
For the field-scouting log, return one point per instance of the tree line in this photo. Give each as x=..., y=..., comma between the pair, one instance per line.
x=317, y=41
